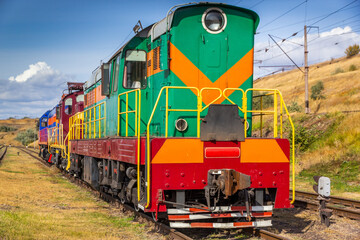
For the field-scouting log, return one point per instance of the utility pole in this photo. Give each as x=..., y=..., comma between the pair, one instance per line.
x=306, y=72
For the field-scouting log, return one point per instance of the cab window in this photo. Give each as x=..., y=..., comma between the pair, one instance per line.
x=44, y=122
x=68, y=106
x=135, y=69
x=80, y=98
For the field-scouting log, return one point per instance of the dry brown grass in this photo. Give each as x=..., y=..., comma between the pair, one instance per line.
x=342, y=90
x=38, y=203
x=342, y=93
x=21, y=125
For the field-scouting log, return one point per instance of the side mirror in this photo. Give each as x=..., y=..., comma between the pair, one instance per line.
x=105, y=79
x=58, y=112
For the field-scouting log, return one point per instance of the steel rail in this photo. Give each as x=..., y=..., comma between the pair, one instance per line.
x=173, y=233
x=333, y=200
x=3, y=154
x=343, y=212
x=263, y=234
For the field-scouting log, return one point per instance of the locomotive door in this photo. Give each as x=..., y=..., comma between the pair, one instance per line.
x=213, y=58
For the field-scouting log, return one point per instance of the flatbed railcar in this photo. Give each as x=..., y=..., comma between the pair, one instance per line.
x=167, y=124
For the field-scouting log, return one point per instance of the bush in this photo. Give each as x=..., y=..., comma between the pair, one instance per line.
x=294, y=107
x=316, y=91
x=303, y=138
x=352, y=67
x=338, y=70
x=267, y=101
x=352, y=50
x=26, y=137
x=7, y=129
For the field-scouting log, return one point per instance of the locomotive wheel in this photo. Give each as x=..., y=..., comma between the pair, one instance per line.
x=153, y=214
x=136, y=207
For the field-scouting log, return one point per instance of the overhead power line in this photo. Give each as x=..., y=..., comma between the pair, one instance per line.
x=284, y=14
x=285, y=53
x=334, y=12
x=256, y=4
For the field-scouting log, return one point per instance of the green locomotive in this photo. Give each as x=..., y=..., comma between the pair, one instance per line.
x=167, y=124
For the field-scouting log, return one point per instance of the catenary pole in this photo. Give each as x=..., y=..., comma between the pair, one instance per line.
x=306, y=72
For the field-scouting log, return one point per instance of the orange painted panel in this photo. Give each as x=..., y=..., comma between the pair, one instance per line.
x=180, y=151
x=191, y=76
x=150, y=58
x=261, y=151
x=98, y=96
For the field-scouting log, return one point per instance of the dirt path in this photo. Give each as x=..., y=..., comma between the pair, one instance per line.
x=38, y=203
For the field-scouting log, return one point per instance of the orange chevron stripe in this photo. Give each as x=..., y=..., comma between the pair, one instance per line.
x=191, y=76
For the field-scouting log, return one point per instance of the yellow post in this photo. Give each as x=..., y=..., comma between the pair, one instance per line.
x=166, y=111
x=261, y=116
x=118, y=119
x=199, y=110
x=245, y=114
x=138, y=146
x=99, y=121
x=275, y=115
x=126, y=114
x=281, y=118
x=136, y=113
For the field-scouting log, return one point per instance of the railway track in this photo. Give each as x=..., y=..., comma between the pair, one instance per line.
x=340, y=206
x=159, y=227
x=2, y=155
x=263, y=234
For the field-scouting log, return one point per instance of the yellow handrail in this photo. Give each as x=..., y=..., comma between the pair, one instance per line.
x=275, y=93
x=137, y=99
x=91, y=123
x=198, y=110
x=244, y=103
x=167, y=110
x=76, y=131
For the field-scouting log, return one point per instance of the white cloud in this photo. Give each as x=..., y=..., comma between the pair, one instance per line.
x=321, y=47
x=39, y=68
x=32, y=92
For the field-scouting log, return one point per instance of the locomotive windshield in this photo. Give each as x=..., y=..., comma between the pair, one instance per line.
x=135, y=69
x=44, y=122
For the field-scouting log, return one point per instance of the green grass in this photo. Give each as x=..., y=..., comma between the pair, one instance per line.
x=10, y=171
x=343, y=172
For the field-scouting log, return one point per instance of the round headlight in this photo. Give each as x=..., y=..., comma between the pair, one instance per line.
x=214, y=20
x=181, y=125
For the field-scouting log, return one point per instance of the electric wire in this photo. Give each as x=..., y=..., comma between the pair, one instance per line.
x=256, y=4
x=285, y=14
x=332, y=13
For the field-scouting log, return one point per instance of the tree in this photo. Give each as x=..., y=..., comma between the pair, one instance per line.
x=316, y=91
x=352, y=50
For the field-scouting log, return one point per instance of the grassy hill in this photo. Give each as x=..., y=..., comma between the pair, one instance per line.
x=328, y=139
x=12, y=130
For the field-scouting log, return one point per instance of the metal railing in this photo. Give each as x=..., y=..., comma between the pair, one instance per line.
x=198, y=111
x=136, y=111
x=276, y=94
x=92, y=116
x=55, y=137
x=76, y=131
x=137, y=125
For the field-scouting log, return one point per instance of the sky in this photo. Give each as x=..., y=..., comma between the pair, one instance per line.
x=46, y=43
